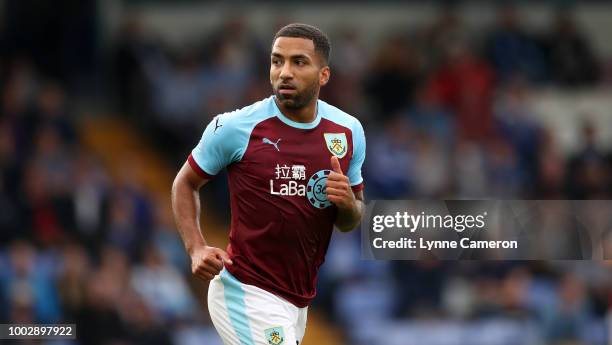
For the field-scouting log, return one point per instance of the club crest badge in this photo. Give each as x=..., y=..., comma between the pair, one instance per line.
x=336, y=144
x=275, y=335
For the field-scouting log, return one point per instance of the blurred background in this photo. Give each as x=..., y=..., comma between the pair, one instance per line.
x=102, y=101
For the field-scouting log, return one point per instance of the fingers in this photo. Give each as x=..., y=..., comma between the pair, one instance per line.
x=224, y=257
x=203, y=273
x=209, y=263
x=336, y=165
x=339, y=201
x=334, y=176
x=336, y=191
x=337, y=184
x=335, y=199
x=214, y=263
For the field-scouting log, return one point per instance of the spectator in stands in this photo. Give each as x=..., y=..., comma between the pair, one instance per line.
x=512, y=50
x=10, y=218
x=131, y=47
x=392, y=77
x=26, y=284
x=162, y=287
x=570, y=56
x=72, y=279
x=464, y=85
x=448, y=27
x=565, y=320
x=389, y=169
x=589, y=172
x=516, y=123
x=551, y=169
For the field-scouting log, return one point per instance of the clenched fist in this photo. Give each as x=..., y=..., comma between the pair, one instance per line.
x=339, y=188
x=207, y=262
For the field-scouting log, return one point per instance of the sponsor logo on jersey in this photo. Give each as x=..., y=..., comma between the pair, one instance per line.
x=286, y=178
x=217, y=125
x=316, y=189
x=275, y=335
x=270, y=142
x=290, y=188
x=289, y=180
x=336, y=143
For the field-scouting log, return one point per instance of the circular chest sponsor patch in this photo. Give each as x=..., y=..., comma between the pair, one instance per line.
x=315, y=189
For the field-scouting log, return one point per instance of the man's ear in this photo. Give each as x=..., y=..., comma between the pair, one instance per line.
x=324, y=75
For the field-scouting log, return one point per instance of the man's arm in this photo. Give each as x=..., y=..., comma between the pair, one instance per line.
x=349, y=218
x=206, y=261
x=350, y=205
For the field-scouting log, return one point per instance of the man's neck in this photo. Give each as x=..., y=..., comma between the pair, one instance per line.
x=305, y=114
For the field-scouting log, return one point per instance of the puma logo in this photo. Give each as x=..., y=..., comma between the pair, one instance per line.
x=217, y=125
x=275, y=144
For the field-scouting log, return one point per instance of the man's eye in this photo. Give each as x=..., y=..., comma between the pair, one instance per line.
x=300, y=62
x=276, y=62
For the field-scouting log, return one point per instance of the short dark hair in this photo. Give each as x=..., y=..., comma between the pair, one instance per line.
x=318, y=37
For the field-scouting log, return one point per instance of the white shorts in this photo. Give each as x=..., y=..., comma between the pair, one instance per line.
x=247, y=315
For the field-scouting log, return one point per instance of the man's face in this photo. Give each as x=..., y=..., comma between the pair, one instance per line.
x=296, y=71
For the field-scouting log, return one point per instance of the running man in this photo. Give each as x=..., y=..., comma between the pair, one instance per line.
x=294, y=170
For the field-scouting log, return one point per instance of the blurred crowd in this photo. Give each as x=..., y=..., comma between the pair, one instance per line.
x=447, y=110
x=446, y=115
x=76, y=245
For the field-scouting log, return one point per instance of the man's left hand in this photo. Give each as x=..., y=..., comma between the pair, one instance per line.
x=339, y=188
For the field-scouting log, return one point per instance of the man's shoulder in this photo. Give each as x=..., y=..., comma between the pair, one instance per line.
x=247, y=116
x=338, y=116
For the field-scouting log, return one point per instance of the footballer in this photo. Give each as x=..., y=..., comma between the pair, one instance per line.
x=294, y=171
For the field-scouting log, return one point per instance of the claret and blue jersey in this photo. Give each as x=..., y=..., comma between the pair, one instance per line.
x=281, y=219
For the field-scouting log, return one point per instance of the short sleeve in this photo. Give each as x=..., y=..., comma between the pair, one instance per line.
x=359, y=149
x=221, y=145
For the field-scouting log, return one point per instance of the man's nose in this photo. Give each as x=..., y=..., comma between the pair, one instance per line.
x=286, y=72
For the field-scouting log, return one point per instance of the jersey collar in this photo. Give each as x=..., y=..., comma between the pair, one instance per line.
x=300, y=125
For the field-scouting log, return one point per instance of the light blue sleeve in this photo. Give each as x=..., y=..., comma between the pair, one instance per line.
x=222, y=143
x=359, y=150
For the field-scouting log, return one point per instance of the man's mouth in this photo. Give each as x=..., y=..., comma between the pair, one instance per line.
x=286, y=89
